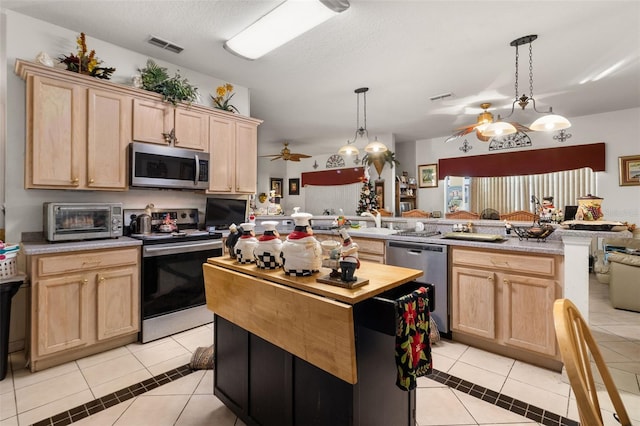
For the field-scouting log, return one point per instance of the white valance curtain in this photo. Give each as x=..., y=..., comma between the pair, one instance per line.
x=511, y=193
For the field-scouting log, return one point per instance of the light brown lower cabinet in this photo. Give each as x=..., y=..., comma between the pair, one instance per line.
x=370, y=249
x=505, y=300
x=82, y=303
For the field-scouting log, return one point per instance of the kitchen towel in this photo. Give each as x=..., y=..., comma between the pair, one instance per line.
x=413, y=346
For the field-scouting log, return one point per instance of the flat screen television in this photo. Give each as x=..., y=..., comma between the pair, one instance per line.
x=220, y=213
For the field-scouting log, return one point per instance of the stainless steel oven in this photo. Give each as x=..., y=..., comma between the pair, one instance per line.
x=173, y=297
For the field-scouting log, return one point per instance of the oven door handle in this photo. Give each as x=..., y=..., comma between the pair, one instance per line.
x=162, y=250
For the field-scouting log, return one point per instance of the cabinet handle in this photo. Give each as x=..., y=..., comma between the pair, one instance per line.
x=85, y=281
x=75, y=181
x=90, y=180
x=490, y=278
x=100, y=279
x=506, y=281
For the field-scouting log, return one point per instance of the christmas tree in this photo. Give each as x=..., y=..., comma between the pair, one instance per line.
x=368, y=201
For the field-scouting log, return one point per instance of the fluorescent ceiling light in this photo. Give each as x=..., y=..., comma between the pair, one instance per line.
x=282, y=24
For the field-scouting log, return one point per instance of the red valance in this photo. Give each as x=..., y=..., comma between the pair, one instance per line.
x=334, y=177
x=530, y=162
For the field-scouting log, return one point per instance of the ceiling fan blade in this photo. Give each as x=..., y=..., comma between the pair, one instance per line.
x=276, y=157
x=299, y=156
x=519, y=127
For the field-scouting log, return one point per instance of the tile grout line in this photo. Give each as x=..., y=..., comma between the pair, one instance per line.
x=513, y=405
x=99, y=404
x=508, y=403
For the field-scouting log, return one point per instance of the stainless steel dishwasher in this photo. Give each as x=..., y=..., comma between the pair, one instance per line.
x=432, y=260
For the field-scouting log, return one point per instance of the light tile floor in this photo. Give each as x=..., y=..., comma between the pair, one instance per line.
x=26, y=398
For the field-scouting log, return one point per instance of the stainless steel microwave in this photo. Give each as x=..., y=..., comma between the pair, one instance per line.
x=157, y=166
x=82, y=221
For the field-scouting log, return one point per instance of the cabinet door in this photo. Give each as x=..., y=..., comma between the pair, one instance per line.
x=108, y=135
x=529, y=325
x=192, y=129
x=56, y=133
x=246, y=158
x=222, y=133
x=117, y=302
x=150, y=120
x=61, y=313
x=473, y=302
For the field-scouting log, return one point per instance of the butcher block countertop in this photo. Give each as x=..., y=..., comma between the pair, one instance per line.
x=381, y=278
x=310, y=320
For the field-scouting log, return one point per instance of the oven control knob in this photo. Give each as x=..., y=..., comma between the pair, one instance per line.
x=183, y=215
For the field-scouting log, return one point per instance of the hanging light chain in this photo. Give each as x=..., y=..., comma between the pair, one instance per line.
x=530, y=70
x=517, y=56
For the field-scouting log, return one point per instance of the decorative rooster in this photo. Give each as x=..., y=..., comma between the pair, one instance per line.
x=287, y=155
x=484, y=119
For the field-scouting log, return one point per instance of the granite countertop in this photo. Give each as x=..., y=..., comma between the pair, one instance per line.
x=30, y=248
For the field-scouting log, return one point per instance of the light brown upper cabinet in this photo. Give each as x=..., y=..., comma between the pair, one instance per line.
x=233, y=150
x=79, y=129
x=77, y=135
x=154, y=120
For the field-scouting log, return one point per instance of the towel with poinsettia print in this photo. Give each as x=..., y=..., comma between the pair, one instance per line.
x=413, y=347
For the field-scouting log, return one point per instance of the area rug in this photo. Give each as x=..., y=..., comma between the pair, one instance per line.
x=202, y=359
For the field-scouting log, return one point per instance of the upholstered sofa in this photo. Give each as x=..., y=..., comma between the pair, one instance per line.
x=624, y=281
x=624, y=275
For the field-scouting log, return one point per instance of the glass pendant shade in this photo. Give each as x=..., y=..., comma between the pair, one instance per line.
x=348, y=149
x=550, y=122
x=499, y=128
x=375, y=146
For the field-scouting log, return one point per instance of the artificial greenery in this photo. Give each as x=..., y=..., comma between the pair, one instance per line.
x=173, y=89
x=387, y=157
x=86, y=62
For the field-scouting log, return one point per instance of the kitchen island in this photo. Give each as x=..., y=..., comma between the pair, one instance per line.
x=292, y=351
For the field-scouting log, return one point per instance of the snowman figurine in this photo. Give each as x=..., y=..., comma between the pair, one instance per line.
x=246, y=244
x=301, y=252
x=269, y=247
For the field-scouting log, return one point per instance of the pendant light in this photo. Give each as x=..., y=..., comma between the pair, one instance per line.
x=548, y=122
x=361, y=136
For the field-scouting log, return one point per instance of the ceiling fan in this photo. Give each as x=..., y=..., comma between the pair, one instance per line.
x=287, y=155
x=484, y=118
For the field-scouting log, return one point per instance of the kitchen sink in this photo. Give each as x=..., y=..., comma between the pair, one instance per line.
x=374, y=231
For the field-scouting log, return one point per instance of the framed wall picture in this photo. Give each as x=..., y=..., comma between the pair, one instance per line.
x=276, y=185
x=379, y=187
x=294, y=186
x=428, y=176
x=629, y=169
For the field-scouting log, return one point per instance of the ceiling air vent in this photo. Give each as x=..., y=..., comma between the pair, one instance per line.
x=167, y=45
x=442, y=96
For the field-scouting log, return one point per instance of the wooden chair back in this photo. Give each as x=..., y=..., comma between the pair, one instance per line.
x=576, y=347
x=416, y=213
x=462, y=214
x=384, y=213
x=520, y=215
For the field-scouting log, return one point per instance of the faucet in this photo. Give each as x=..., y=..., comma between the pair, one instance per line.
x=376, y=218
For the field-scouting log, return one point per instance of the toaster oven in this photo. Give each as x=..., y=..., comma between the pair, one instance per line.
x=82, y=221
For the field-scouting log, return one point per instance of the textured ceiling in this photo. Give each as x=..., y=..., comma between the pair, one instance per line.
x=404, y=51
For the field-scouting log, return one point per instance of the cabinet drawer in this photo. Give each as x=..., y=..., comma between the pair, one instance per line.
x=533, y=264
x=50, y=265
x=370, y=246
